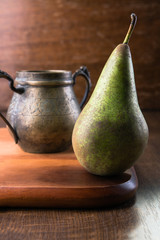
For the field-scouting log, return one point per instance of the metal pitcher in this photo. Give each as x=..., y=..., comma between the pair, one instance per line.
x=44, y=108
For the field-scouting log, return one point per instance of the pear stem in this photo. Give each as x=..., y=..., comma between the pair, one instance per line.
x=131, y=28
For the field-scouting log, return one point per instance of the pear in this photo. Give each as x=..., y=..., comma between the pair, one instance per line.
x=111, y=133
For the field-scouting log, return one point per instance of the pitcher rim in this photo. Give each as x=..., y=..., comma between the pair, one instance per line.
x=44, y=77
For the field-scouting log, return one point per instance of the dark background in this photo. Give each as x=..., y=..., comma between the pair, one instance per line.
x=65, y=34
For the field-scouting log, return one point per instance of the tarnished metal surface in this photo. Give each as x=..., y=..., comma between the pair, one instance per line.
x=43, y=116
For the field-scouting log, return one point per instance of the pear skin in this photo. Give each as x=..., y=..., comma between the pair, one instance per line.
x=111, y=132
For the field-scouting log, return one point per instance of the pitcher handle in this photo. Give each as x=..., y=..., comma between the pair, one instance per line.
x=19, y=90
x=5, y=75
x=83, y=71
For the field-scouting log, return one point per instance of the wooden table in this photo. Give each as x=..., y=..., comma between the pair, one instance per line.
x=137, y=219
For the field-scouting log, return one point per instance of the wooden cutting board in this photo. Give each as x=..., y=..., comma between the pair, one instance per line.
x=56, y=180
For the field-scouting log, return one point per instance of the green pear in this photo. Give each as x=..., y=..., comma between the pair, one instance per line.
x=111, y=132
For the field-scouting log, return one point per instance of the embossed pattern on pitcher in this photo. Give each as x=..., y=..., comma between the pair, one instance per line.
x=48, y=114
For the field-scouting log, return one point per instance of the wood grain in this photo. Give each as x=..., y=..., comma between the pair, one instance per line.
x=139, y=219
x=56, y=180
x=65, y=34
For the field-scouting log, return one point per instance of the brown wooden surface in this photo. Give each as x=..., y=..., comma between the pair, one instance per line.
x=56, y=180
x=139, y=219
x=67, y=34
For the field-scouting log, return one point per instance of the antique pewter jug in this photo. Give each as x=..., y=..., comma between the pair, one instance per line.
x=44, y=108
